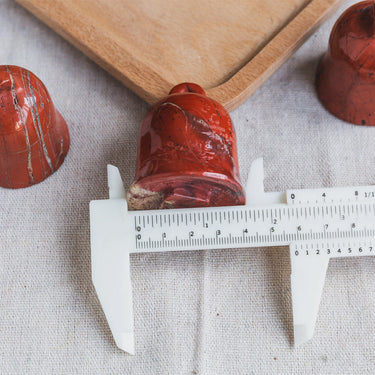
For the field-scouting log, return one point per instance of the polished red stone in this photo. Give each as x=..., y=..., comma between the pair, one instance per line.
x=187, y=154
x=345, y=79
x=34, y=138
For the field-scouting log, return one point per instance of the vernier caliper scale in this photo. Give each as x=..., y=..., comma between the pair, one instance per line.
x=317, y=224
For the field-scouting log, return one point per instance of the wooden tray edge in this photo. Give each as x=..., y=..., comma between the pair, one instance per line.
x=247, y=80
x=101, y=47
x=115, y=59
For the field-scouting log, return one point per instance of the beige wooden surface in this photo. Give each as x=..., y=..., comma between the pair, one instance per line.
x=229, y=47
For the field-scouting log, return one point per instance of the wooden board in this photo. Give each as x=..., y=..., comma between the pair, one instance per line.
x=228, y=47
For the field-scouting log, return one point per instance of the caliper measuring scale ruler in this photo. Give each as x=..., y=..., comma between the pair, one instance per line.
x=317, y=224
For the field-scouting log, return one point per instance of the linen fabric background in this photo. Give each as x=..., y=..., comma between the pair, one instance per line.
x=204, y=312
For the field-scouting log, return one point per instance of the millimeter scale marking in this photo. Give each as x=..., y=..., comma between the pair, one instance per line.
x=317, y=224
x=295, y=224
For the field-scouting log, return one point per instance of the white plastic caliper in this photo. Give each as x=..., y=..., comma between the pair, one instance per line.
x=317, y=224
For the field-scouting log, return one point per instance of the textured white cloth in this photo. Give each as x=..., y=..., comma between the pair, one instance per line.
x=204, y=312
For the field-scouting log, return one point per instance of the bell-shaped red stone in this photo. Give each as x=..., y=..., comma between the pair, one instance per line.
x=34, y=138
x=345, y=79
x=187, y=154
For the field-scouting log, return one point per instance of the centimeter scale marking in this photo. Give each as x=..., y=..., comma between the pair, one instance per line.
x=242, y=226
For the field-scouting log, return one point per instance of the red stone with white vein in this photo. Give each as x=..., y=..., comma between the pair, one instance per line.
x=34, y=138
x=187, y=154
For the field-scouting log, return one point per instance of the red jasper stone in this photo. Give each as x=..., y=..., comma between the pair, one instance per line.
x=345, y=79
x=187, y=154
x=34, y=138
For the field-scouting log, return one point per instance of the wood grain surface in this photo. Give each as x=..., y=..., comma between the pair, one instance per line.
x=228, y=47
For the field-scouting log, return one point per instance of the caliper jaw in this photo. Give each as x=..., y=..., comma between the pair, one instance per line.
x=307, y=276
x=307, y=283
x=111, y=242
x=255, y=195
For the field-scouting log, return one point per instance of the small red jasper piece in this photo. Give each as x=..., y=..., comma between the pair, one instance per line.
x=34, y=138
x=345, y=79
x=187, y=154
